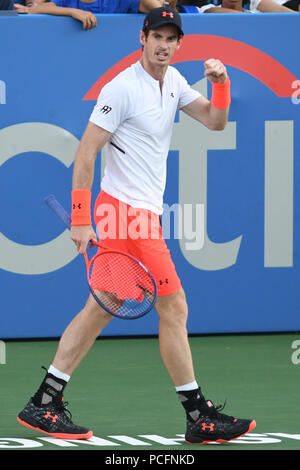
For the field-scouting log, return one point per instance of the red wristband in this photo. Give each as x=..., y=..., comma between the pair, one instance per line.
x=220, y=98
x=81, y=207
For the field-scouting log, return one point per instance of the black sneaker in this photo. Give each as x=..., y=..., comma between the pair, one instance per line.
x=53, y=420
x=213, y=426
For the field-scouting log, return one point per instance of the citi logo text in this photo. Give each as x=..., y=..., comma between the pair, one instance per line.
x=2, y=352
x=278, y=187
x=2, y=92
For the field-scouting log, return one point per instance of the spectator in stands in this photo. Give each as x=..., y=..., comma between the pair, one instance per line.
x=6, y=5
x=187, y=6
x=275, y=6
x=226, y=6
x=235, y=6
x=85, y=10
x=203, y=6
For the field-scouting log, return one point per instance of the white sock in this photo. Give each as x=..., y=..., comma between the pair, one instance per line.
x=189, y=386
x=57, y=373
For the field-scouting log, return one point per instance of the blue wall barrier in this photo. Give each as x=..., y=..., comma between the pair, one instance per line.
x=241, y=273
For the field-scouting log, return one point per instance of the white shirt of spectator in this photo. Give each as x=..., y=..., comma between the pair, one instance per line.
x=211, y=5
x=207, y=7
x=140, y=117
x=254, y=4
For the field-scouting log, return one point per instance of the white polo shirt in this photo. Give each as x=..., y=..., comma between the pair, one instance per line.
x=140, y=118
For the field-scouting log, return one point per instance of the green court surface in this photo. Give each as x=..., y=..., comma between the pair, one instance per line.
x=122, y=392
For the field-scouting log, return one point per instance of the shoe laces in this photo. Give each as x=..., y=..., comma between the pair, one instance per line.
x=215, y=412
x=62, y=407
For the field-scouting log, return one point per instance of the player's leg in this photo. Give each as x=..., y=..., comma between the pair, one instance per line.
x=205, y=423
x=79, y=336
x=46, y=410
x=173, y=338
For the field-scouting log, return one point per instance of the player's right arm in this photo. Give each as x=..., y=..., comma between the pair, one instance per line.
x=110, y=110
x=93, y=140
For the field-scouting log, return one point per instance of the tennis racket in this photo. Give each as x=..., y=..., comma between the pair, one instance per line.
x=119, y=282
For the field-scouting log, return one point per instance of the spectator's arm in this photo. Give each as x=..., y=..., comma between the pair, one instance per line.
x=269, y=6
x=87, y=18
x=173, y=4
x=221, y=10
x=211, y=8
x=147, y=5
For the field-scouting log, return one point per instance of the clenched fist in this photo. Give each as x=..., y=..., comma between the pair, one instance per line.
x=215, y=71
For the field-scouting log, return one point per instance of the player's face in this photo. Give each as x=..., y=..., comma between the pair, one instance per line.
x=160, y=45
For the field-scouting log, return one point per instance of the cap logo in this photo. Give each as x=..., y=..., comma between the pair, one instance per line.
x=168, y=13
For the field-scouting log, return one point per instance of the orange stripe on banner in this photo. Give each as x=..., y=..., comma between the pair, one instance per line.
x=199, y=47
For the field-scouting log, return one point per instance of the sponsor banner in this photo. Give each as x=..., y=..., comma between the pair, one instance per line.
x=231, y=217
x=145, y=440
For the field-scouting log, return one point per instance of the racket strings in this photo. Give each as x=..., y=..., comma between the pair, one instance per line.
x=121, y=284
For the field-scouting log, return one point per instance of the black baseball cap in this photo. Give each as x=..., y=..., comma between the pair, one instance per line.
x=162, y=16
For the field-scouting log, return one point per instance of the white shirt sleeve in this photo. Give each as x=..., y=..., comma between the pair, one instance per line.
x=207, y=7
x=254, y=5
x=187, y=95
x=112, y=107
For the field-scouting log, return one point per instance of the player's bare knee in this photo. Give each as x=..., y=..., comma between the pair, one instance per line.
x=173, y=308
x=94, y=309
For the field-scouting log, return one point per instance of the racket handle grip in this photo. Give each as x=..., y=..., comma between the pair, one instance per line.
x=58, y=210
x=93, y=243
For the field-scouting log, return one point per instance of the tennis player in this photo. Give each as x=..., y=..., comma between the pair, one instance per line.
x=133, y=119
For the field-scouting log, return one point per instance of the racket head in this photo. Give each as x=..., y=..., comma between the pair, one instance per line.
x=121, y=284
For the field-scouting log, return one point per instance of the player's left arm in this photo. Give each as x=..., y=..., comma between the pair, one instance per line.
x=214, y=113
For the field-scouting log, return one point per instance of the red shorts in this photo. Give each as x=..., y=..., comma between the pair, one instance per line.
x=137, y=232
